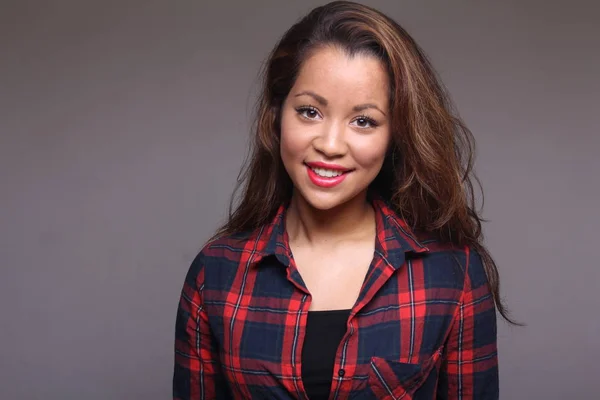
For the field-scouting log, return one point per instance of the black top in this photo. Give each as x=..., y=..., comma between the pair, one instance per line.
x=324, y=331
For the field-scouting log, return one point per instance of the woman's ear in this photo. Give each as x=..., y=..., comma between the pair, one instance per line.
x=392, y=154
x=277, y=109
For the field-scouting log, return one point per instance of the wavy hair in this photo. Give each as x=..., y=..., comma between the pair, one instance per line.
x=427, y=176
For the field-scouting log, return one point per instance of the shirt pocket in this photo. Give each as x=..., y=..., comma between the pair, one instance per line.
x=393, y=380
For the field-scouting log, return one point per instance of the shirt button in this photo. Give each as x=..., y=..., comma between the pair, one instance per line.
x=341, y=373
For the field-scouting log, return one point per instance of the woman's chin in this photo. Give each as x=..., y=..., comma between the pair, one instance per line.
x=323, y=201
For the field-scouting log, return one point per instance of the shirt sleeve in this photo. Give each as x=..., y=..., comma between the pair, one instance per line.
x=470, y=370
x=197, y=373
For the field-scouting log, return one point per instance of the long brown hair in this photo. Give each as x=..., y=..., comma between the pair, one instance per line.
x=427, y=176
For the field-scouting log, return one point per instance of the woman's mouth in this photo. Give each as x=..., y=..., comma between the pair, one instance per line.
x=327, y=173
x=326, y=176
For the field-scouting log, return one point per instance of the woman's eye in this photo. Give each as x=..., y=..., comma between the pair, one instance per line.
x=365, y=122
x=308, y=112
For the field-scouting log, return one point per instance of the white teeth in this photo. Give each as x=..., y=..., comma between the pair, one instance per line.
x=326, y=173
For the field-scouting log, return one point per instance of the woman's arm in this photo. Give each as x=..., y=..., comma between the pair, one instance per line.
x=470, y=370
x=197, y=373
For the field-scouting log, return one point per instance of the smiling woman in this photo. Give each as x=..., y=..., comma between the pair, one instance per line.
x=353, y=265
x=333, y=129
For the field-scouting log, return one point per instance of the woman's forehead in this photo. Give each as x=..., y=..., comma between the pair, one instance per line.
x=330, y=72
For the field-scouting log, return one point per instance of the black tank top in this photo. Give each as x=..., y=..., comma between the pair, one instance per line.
x=324, y=331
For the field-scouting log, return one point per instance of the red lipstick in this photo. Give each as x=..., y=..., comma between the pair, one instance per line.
x=334, y=167
x=323, y=181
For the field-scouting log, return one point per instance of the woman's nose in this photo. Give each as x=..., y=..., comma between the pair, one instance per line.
x=331, y=141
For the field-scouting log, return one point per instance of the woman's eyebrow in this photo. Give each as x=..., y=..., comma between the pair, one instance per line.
x=315, y=96
x=362, y=107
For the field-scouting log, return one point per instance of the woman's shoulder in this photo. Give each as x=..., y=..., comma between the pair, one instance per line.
x=224, y=247
x=458, y=265
x=224, y=252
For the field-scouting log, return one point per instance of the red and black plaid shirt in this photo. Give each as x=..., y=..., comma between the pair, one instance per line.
x=423, y=326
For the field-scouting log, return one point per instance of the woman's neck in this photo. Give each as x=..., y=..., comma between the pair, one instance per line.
x=307, y=226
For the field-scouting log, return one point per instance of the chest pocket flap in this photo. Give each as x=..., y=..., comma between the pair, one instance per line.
x=396, y=380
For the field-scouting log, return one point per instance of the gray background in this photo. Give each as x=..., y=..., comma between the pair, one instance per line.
x=122, y=128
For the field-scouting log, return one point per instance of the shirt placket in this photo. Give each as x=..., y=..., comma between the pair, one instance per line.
x=347, y=354
x=298, y=312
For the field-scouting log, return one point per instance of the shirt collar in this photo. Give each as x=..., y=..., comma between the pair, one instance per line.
x=394, y=236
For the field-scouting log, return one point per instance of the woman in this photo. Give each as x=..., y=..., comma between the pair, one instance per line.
x=353, y=265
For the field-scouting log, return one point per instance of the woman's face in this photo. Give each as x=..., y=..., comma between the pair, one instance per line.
x=335, y=127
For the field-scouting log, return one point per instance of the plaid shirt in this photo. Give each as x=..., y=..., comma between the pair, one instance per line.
x=423, y=326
